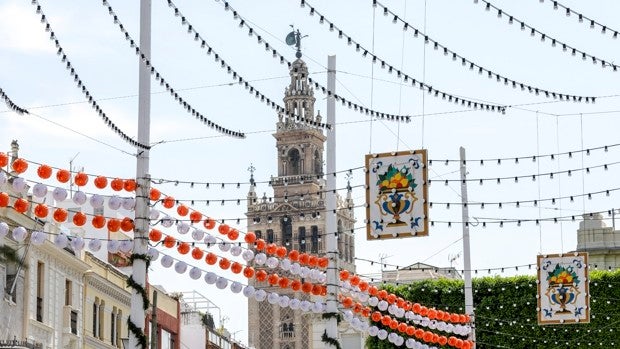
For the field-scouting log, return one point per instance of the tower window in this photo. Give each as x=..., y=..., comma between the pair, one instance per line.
x=270, y=238
x=315, y=239
x=294, y=163
x=318, y=163
x=302, y=239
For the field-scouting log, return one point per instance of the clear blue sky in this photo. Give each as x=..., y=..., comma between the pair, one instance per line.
x=33, y=77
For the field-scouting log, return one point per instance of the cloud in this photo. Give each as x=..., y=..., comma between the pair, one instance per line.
x=31, y=37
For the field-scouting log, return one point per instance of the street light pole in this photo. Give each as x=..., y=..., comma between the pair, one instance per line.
x=137, y=313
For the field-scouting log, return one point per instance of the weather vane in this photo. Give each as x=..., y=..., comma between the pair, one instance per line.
x=294, y=38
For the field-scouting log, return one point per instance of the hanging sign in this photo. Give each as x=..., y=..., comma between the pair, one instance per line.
x=396, y=195
x=563, y=292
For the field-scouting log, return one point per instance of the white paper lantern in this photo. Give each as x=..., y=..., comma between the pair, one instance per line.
x=94, y=245
x=364, y=326
x=273, y=298
x=391, y=309
x=392, y=337
x=373, y=331
x=167, y=222
x=285, y=264
x=210, y=239
x=198, y=234
x=221, y=283
x=284, y=301
x=39, y=190
x=180, y=267
x=153, y=214
x=126, y=246
x=114, y=202
x=236, y=250
x=96, y=201
x=450, y=328
x=3, y=178
x=183, y=228
x=166, y=261
x=113, y=246
x=19, y=184
x=61, y=240
x=305, y=306
x=272, y=262
x=210, y=277
x=236, y=287
x=304, y=271
x=77, y=243
x=441, y=326
x=37, y=237
x=294, y=304
x=399, y=340
x=355, y=323
x=373, y=301
x=153, y=254
x=260, y=295
x=79, y=198
x=195, y=273
x=317, y=307
x=59, y=194
x=224, y=246
x=19, y=234
x=247, y=255
x=295, y=268
x=129, y=203
x=383, y=305
x=382, y=334
x=363, y=297
x=348, y=315
x=409, y=343
x=432, y=324
x=322, y=278
x=249, y=291
x=260, y=258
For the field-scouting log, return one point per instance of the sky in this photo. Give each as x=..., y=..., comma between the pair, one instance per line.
x=62, y=126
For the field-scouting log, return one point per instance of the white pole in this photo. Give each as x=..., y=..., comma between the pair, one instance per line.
x=469, y=298
x=142, y=173
x=331, y=244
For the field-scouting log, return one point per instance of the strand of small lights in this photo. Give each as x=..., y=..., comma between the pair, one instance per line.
x=584, y=19
x=191, y=31
x=159, y=78
x=14, y=107
x=401, y=75
x=544, y=37
x=80, y=84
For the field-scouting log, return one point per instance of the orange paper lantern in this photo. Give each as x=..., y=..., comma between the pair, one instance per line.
x=271, y=248
x=410, y=331
x=100, y=182
x=296, y=285
x=236, y=267
x=80, y=179
x=273, y=279
x=323, y=262
x=197, y=253
x=312, y=261
x=211, y=258
x=303, y=258
x=347, y=302
x=209, y=223
x=386, y=320
x=391, y=298
x=41, y=210
x=355, y=280
x=402, y=327
x=283, y=282
x=382, y=294
x=21, y=205
x=168, y=202
x=261, y=275
x=114, y=225
x=79, y=219
x=260, y=244
x=394, y=324
x=372, y=290
x=443, y=340
x=428, y=336
x=169, y=241
x=63, y=176
x=306, y=287
x=127, y=224
x=248, y=272
x=281, y=252
x=376, y=316
x=117, y=184
x=154, y=194
x=183, y=248
x=44, y=171
x=60, y=215
x=233, y=234
x=316, y=290
x=293, y=255
x=19, y=165
x=129, y=185
x=182, y=210
x=4, y=159
x=250, y=237
x=155, y=235
x=363, y=286
x=195, y=217
x=224, y=263
x=223, y=229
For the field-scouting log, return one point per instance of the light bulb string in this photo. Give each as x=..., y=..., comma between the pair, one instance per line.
x=16, y=108
x=584, y=19
x=276, y=55
x=191, y=31
x=467, y=63
x=80, y=84
x=159, y=78
x=401, y=75
x=554, y=42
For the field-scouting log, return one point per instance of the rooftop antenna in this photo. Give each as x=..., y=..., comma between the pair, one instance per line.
x=294, y=38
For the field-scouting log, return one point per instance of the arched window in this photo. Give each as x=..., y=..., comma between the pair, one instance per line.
x=318, y=163
x=294, y=163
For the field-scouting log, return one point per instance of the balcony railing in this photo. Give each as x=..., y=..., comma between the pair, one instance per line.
x=17, y=344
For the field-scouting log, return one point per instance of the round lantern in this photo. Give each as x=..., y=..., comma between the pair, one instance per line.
x=117, y=184
x=221, y=283
x=249, y=291
x=21, y=205
x=284, y=301
x=153, y=253
x=126, y=246
x=183, y=228
x=198, y=234
x=37, y=237
x=77, y=243
x=113, y=246
x=235, y=250
x=273, y=298
x=19, y=184
x=272, y=262
x=153, y=214
x=195, y=273
x=44, y=171
x=19, y=234
x=260, y=295
x=167, y=222
x=19, y=165
x=180, y=267
x=39, y=190
x=63, y=176
x=59, y=194
x=166, y=261
x=236, y=287
x=94, y=245
x=114, y=203
x=101, y=182
x=247, y=255
x=224, y=246
x=129, y=185
x=61, y=241
x=96, y=201
x=154, y=194
x=80, y=179
x=294, y=303
x=210, y=278
x=79, y=198
x=129, y=203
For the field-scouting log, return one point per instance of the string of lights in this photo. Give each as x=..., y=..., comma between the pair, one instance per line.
x=544, y=37
x=80, y=84
x=584, y=19
x=14, y=107
x=532, y=176
x=469, y=64
x=191, y=31
x=159, y=78
x=276, y=55
x=401, y=75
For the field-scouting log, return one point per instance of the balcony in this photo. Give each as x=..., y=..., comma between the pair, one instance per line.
x=297, y=179
x=17, y=344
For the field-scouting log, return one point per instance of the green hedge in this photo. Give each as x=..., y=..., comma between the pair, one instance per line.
x=506, y=312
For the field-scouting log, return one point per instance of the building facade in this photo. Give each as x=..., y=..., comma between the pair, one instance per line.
x=600, y=241
x=295, y=217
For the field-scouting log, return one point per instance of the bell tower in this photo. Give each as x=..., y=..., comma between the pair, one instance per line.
x=295, y=218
